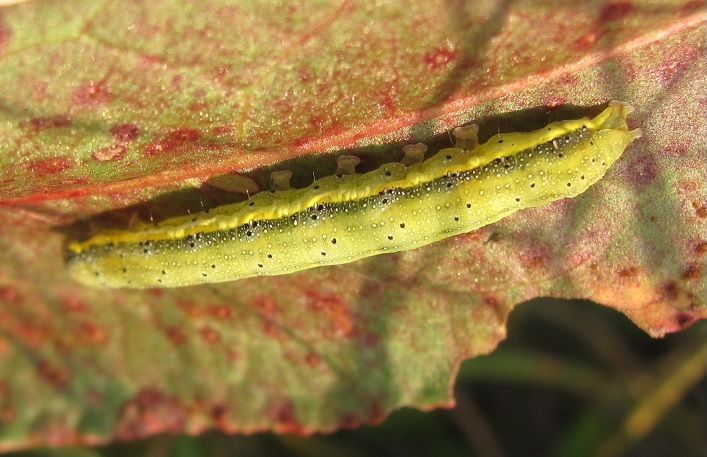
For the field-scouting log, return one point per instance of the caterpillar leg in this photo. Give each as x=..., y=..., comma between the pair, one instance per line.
x=346, y=165
x=635, y=134
x=414, y=153
x=280, y=180
x=466, y=137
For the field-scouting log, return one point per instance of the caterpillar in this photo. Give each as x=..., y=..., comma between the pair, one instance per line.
x=349, y=216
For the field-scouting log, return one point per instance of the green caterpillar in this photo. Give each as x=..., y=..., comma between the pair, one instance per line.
x=346, y=217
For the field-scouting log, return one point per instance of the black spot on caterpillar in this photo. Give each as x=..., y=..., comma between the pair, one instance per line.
x=348, y=216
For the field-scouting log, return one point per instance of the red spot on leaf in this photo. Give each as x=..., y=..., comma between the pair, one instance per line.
x=198, y=106
x=569, y=79
x=177, y=81
x=156, y=292
x=610, y=13
x=672, y=70
x=301, y=141
x=669, y=70
x=474, y=237
x=586, y=41
x=45, y=123
x=190, y=308
x=373, y=290
x=218, y=415
x=615, y=11
x=689, y=7
x=268, y=310
x=183, y=136
x=5, y=34
x=7, y=414
x=670, y=291
x=439, y=57
x=91, y=94
x=313, y=359
x=10, y=296
x=348, y=421
x=53, y=375
x=376, y=413
x=174, y=140
x=51, y=166
x=73, y=305
x=684, y=320
x=221, y=311
x=693, y=271
x=63, y=345
x=701, y=248
x=316, y=121
x=534, y=258
x=687, y=187
x=91, y=334
x=368, y=339
x=148, y=413
x=149, y=398
x=629, y=272
x=284, y=418
x=630, y=71
x=108, y=153
x=642, y=170
x=334, y=310
x=700, y=210
x=224, y=130
x=31, y=334
x=176, y=335
x=493, y=302
x=122, y=133
x=306, y=75
x=209, y=335
x=233, y=355
x=676, y=148
x=388, y=100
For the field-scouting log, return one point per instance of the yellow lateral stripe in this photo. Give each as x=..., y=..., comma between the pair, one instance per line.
x=416, y=175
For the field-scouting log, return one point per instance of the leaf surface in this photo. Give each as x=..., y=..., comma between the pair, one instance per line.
x=114, y=110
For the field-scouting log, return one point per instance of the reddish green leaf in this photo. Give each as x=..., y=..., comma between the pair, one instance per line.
x=129, y=108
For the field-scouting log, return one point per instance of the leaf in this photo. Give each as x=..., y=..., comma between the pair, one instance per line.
x=125, y=109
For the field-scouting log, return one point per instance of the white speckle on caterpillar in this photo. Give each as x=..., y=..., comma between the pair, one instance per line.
x=348, y=216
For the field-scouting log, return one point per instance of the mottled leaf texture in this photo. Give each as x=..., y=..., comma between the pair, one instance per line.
x=112, y=111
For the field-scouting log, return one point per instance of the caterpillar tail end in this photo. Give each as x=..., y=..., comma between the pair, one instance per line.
x=614, y=117
x=627, y=107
